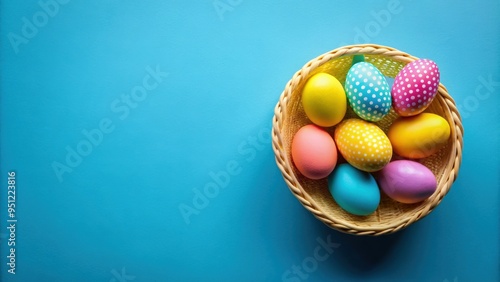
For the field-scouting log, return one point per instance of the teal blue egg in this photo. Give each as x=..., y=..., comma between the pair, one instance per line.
x=354, y=190
x=368, y=92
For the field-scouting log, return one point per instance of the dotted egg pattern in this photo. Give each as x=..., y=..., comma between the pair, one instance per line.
x=415, y=87
x=368, y=92
x=364, y=145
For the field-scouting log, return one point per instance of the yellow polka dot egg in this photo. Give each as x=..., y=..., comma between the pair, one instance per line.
x=363, y=144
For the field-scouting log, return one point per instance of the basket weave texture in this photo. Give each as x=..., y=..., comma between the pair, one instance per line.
x=391, y=216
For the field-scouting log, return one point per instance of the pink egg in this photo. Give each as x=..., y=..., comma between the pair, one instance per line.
x=414, y=87
x=407, y=181
x=314, y=152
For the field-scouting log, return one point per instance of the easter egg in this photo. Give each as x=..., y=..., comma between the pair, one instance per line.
x=354, y=190
x=363, y=144
x=314, y=152
x=407, y=181
x=418, y=136
x=323, y=99
x=368, y=92
x=415, y=87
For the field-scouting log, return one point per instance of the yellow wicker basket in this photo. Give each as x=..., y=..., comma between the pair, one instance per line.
x=390, y=216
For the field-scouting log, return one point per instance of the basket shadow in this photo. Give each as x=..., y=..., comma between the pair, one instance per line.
x=359, y=255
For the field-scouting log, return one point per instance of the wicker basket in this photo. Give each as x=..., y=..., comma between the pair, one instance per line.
x=390, y=216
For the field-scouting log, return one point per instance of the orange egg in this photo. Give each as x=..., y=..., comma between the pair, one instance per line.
x=419, y=136
x=363, y=144
x=314, y=152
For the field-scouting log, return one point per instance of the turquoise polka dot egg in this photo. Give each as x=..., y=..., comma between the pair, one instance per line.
x=368, y=92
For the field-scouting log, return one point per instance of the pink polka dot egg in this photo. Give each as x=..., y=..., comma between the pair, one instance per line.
x=415, y=87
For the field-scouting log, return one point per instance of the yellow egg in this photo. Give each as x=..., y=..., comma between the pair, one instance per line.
x=419, y=136
x=324, y=100
x=363, y=144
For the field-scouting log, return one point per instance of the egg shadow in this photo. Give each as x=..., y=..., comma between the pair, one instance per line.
x=360, y=255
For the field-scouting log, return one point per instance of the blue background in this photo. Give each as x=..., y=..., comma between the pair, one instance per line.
x=116, y=216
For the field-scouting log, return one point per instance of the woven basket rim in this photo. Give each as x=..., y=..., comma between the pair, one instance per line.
x=285, y=164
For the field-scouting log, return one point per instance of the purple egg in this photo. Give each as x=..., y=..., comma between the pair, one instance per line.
x=407, y=181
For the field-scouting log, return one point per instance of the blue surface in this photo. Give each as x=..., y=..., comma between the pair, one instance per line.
x=220, y=67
